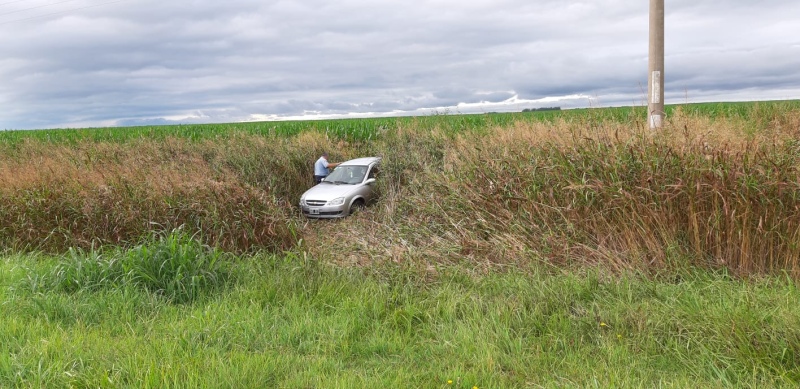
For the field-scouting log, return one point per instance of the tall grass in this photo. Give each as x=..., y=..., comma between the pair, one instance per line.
x=55, y=197
x=174, y=266
x=718, y=187
x=707, y=192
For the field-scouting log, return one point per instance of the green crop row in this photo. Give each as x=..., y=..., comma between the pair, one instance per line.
x=366, y=129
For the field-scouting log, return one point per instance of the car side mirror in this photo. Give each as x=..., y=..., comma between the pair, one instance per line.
x=369, y=181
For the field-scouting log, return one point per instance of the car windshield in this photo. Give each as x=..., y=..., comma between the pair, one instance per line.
x=349, y=174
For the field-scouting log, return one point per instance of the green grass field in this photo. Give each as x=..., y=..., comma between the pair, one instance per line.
x=541, y=249
x=368, y=129
x=291, y=321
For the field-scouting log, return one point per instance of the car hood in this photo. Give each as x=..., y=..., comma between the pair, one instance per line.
x=328, y=192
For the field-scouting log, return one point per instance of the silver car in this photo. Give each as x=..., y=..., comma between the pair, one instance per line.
x=351, y=186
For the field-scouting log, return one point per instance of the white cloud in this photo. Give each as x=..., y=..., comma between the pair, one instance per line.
x=146, y=61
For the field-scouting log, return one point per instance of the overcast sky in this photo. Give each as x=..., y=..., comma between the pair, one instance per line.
x=79, y=63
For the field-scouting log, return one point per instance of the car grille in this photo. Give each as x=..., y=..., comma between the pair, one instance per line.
x=335, y=213
x=316, y=203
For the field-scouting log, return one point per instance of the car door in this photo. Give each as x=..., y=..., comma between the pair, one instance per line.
x=371, y=192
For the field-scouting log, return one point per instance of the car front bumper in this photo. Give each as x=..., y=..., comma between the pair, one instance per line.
x=324, y=212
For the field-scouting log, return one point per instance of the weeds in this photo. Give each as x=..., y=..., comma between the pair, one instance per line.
x=719, y=187
x=175, y=266
x=292, y=321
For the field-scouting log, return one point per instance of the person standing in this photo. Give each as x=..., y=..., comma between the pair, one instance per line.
x=321, y=167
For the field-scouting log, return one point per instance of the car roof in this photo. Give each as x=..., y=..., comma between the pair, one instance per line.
x=361, y=161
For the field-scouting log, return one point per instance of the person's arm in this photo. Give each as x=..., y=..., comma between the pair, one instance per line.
x=332, y=165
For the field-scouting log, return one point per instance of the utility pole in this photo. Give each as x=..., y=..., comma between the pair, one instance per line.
x=655, y=73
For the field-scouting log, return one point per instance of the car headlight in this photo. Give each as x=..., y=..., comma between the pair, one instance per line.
x=336, y=201
x=303, y=201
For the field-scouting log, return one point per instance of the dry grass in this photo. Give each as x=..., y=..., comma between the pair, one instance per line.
x=101, y=193
x=718, y=192
x=701, y=192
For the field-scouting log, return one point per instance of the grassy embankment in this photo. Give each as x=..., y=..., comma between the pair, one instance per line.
x=538, y=196
x=111, y=319
x=718, y=187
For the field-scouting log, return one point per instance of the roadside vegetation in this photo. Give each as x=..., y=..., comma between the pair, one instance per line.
x=719, y=187
x=292, y=321
x=552, y=248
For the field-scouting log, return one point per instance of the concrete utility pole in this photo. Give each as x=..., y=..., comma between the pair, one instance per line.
x=655, y=74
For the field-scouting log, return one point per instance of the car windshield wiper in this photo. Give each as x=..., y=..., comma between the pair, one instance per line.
x=339, y=182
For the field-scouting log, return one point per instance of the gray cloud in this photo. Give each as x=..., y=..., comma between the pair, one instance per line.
x=151, y=62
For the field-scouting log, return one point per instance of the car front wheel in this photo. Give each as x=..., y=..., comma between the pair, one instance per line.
x=357, y=206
